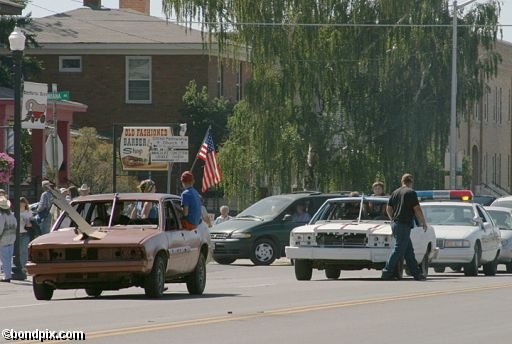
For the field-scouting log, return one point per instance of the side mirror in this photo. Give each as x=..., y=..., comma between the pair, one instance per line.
x=287, y=218
x=478, y=220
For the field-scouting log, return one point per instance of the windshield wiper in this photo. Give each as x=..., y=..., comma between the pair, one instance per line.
x=249, y=217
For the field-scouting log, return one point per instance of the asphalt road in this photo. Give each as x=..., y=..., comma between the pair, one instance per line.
x=247, y=304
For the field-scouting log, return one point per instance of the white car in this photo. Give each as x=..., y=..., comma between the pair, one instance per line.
x=466, y=237
x=351, y=233
x=503, y=219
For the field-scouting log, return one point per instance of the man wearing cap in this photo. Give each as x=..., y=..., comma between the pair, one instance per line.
x=84, y=190
x=190, y=202
x=43, y=208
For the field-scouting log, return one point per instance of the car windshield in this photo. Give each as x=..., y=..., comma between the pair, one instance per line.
x=267, y=208
x=503, y=219
x=349, y=210
x=448, y=214
x=502, y=203
x=126, y=212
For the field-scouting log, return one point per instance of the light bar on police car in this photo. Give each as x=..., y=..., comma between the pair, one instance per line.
x=459, y=195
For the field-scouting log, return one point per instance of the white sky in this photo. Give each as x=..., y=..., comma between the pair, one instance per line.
x=43, y=8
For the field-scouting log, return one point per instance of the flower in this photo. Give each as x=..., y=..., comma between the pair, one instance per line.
x=6, y=167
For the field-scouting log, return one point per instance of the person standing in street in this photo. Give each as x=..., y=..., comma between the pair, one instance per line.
x=403, y=206
x=44, y=207
x=7, y=237
x=190, y=202
x=224, y=215
x=25, y=229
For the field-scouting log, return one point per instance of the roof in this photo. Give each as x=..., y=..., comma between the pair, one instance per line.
x=10, y=7
x=503, y=209
x=107, y=26
x=126, y=196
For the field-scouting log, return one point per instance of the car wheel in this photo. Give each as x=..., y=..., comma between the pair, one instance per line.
x=332, y=273
x=263, y=252
x=471, y=269
x=491, y=268
x=42, y=291
x=197, y=280
x=509, y=267
x=224, y=261
x=303, y=269
x=154, y=282
x=93, y=292
x=439, y=269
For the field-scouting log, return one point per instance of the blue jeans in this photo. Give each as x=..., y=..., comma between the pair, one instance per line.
x=403, y=249
x=24, y=241
x=6, y=252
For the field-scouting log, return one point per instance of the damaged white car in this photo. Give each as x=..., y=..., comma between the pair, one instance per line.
x=352, y=233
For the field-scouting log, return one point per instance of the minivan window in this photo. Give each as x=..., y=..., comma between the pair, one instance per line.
x=267, y=208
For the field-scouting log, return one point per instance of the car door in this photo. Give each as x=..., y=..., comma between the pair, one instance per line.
x=487, y=235
x=177, y=262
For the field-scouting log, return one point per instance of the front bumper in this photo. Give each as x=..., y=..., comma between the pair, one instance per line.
x=137, y=266
x=454, y=255
x=375, y=255
x=232, y=248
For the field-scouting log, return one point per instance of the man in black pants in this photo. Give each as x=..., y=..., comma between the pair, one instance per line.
x=402, y=207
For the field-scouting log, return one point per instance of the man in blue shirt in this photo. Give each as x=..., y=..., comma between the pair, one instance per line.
x=190, y=202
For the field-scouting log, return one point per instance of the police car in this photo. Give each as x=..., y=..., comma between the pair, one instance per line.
x=503, y=219
x=351, y=233
x=467, y=237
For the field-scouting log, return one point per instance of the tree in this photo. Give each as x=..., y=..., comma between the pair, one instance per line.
x=362, y=82
x=91, y=163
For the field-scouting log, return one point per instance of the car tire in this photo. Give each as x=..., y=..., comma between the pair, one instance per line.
x=332, y=273
x=196, y=282
x=263, y=252
x=93, y=292
x=303, y=269
x=509, y=267
x=224, y=261
x=439, y=269
x=42, y=291
x=471, y=269
x=456, y=268
x=491, y=268
x=154, y=282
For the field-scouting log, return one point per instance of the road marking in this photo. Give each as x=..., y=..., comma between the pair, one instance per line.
x=283, y=311
x=21, y=306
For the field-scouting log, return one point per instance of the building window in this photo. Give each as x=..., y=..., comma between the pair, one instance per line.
x=138, y=79
x=70, y=64
x=508, y=171
x=500, y=106
x=486, y=165
x=509, y=104
x=220, y=81
x=477, y=111
x=239, y=82
x=486, y=106
x=499, y=170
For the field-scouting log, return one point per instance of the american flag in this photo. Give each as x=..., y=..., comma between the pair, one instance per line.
x=211, y=171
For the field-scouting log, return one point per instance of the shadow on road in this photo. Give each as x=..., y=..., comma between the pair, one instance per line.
x=142, y=297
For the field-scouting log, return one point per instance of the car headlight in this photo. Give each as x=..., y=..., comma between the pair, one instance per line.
x=241, y=235
x=457, y=243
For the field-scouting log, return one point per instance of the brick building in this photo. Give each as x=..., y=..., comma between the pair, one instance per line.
x=484, y=135
x=127, y=66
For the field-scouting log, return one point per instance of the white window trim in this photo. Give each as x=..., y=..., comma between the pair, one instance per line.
x=150, y=100
x=70, y=70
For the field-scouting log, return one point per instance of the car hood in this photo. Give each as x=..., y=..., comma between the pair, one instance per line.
x=235, y=224
x=128, y=236
x=343, y=227
x=450, y=232
x=505, y=234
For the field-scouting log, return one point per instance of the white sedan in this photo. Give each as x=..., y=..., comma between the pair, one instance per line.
x=351, y=233
x=503, y=219
x=466, y=237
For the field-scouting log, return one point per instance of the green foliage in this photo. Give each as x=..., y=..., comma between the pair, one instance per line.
x=360, y=100
x=92, y=163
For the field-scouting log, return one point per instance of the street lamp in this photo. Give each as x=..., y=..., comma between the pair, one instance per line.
x=17, y=45
x=453, y=112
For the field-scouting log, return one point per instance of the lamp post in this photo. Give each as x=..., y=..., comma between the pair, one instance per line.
x=17, y=45
x=453, y=112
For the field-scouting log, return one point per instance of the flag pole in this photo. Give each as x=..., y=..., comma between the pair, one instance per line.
x=204, y=139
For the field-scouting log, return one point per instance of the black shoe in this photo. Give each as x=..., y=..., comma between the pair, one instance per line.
x=420, y=277
x=7, y=280
x=388, y=277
